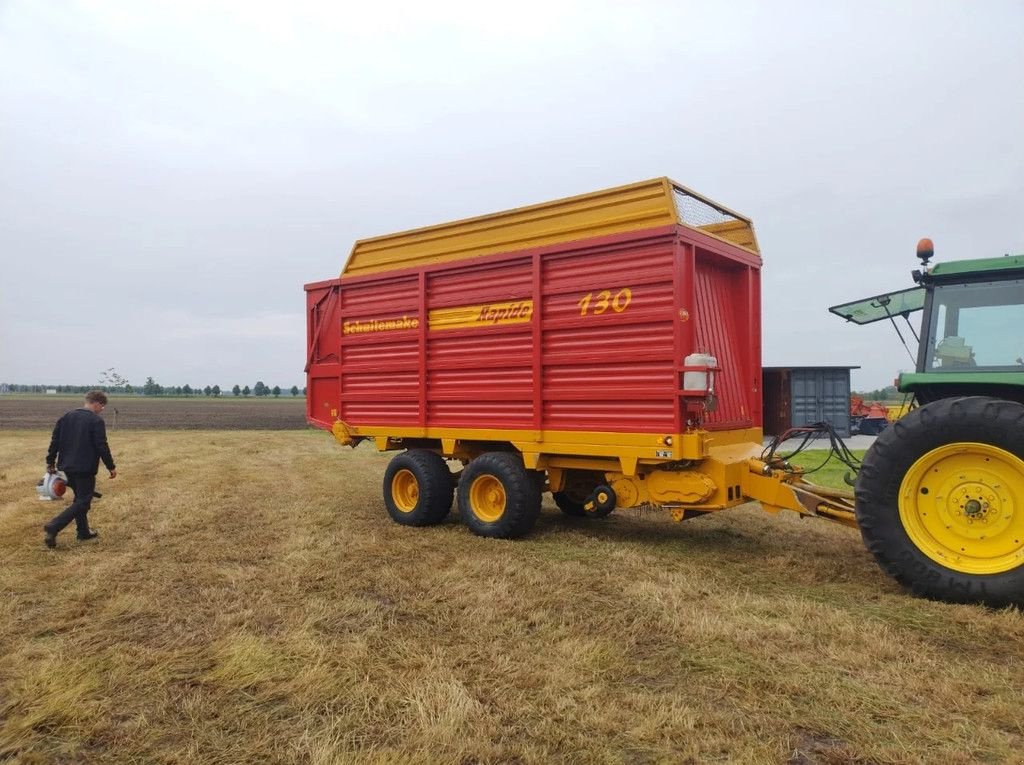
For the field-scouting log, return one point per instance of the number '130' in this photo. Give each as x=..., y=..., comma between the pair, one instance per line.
x=603, y=300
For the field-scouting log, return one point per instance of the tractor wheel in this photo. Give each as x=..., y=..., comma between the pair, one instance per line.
x=418, y=488
x=940, y=500
x=498, y=497
x=572, y=497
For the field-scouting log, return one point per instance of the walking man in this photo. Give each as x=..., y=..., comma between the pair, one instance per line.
x=80, y=438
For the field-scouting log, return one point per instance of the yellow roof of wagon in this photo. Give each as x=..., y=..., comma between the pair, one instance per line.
x=648, y=204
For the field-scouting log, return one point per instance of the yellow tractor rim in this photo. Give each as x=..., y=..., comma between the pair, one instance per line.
x=487, y=498
x=405, y=491
x=962, y=505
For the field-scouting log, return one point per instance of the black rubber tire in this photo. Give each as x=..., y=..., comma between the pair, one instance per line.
x=522, y=496
x=578, y=485
x=977, y=419
x=436, y=488
x=568, y=504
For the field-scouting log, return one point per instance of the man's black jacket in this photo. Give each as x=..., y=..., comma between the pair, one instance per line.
x=80, y=437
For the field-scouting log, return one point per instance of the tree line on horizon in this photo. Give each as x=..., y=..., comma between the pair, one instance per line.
x=153, y=388
x=888, y=393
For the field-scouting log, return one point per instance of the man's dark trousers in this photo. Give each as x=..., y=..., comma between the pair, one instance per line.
x=83, y=485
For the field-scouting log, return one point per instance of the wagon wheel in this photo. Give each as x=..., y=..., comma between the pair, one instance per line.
x=418, y=488
x=498, y=496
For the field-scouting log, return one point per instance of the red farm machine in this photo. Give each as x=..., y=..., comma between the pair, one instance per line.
x=605, y=348
x=867, y=418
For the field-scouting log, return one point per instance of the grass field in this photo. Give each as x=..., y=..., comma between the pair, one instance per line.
x=249, y=601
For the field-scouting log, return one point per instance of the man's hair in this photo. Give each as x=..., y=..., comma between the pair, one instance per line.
x=96, y=397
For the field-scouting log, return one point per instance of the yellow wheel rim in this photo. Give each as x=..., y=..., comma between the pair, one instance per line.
x=487, y=498
x=962, y=505
x=405, y=491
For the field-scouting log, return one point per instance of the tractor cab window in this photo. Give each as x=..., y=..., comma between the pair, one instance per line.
x=976, y=326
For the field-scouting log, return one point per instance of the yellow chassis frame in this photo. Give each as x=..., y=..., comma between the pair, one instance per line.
x=697, y=471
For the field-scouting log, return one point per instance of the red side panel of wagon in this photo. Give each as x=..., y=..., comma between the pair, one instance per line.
x=586, y=336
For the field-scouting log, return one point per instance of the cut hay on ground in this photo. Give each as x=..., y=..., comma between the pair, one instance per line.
x=249, y=601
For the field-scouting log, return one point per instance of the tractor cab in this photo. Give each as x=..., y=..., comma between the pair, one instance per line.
x=971, y=337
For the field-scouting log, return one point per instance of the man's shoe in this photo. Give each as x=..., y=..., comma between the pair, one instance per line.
x=86, y=537
x=50, y=539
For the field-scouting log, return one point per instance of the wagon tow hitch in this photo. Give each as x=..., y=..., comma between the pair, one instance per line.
x=787, y=486
x=778, y=488
x=833, y=504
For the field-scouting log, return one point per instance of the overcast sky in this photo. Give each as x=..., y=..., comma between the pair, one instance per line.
x=173, y=173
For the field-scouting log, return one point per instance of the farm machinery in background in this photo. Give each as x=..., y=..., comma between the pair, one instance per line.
x=870, y=418
x=606, y=348
x=867, y=418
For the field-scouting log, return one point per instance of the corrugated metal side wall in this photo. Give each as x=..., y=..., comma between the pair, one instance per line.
x=777, y=407
x=606, y=369
x=323, y=368
x=380, y=371
x=601, y=349
x=821, y=394
x=726, y=328
x=482, y=376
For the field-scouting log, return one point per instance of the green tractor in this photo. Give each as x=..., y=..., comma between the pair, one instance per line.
x=940, y=494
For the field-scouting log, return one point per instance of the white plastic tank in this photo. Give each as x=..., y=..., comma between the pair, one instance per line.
x=700, y=380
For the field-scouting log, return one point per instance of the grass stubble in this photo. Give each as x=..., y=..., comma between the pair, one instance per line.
x=250, y=601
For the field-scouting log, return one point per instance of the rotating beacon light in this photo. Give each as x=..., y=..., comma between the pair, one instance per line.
x=925, y=251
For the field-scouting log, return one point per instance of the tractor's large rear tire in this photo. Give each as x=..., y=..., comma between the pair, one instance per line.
x=940, y=500
x=418, y=488
x=498, y=496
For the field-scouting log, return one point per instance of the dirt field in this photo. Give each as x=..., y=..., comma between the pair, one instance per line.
x=20, y=412
x=250, y=601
